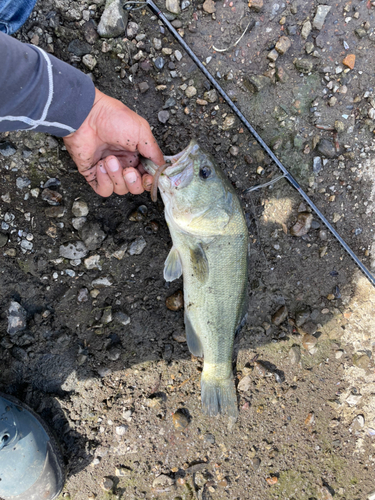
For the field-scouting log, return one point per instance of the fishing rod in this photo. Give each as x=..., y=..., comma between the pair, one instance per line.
x=288, y=176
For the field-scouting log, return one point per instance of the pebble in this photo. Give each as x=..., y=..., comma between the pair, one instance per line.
x=35, y=192
x=302, y=315
x=83, y=295
x=78, y=222
x=209, y=6
x=100, y=283
x=73, y=250
x=234, y=150
x=22, y=182
x=309, y=341
x=178, y=55
x=51, y=197
x=303, y=65
x=209, y=438
x=306, y=29
x=138, y=245
x=3, y=240
x=163, y=116
x=361, y=361
x=229, y=122
x=273, y=55
x=80, y=208
x=302, y=225
x=295, y=355
x=180, y=420
x=113, y=20
x=121, y=430
x=156, y=42
x=106, y=484
x=175, y=302
x=121, y=318
x=143, y=87
x=190, y=91
x=256, y=83
x=132, y=29
x=159, y=63
x=89, y=61
x=162, y=480
x=79, y=48
x=280, y=316
x=244, y=384
x=283, y=44
x=332, y=101
x=7, y=149
x=16, y=318
x=92, y=235
x=320, y=16
x=173, y=6
x=317, y=164
x=349, y=61
x=256, y=463
x=257, y=5
x=92, y=262
x=139, y=214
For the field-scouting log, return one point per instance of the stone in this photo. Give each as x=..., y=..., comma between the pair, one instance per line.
x=7, y=149
x=256, y=83
x=138, y=245
x=89, y=32
x=256, y=5
x=309, y=47
x=317, y=164
x=302, y=315
x=302, y=225
x=80, y=208
x=190, y=91
x=349, y=61
x=244, y=384
x=83, y=295
x=78, y=222
x=309, y=341
x=281, y=75
x=339, y=126
x=106, y=484
x=180, y=420
x=121, y=430
x=73, y=250
x=51, y=197
x=162, y=481
x=22, y=182
x=327, y=148
x=89, y=61
x=211, y=96
x=143, y=87
x=209, y=6
x=303, y=65
x=280, y=316
x=283, y=44
x=320, y=16
x=3, y=240
x=306, y=29
x=332, y=101
x=361, y=361
x=163, y=116
x=229, y=122
x=175, y=302
x=92, y=262
x=92, y=235
x=173, y=6
x=79, y=48
x=234, y=150
x=295, y=355
x=114, y=20
x=101, y=283
x=159, y=63
x=121, y=318
x=16, y=318
x=54, y=212
x=273, y=55
x=132, y=29
x=360, y=32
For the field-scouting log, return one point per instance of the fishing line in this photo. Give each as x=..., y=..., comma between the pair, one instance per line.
x=155, y=9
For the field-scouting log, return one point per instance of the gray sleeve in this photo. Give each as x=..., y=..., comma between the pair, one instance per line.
x=39, y=92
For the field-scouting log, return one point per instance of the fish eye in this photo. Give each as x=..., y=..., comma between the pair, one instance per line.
x=204, y=172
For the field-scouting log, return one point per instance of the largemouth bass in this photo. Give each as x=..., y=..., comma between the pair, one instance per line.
x=210, y=245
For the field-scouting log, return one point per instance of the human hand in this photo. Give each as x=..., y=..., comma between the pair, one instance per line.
x=105, y=148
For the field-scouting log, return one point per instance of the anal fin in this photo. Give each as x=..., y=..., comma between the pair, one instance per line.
x=192, y=339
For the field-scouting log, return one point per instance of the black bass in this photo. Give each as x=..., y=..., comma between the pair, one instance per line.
x=210, y=245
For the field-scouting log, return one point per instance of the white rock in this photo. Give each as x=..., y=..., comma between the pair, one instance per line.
x=114, y=19
x=89, y=61
x=101, y=282
x=80, y=208
x=121, y=430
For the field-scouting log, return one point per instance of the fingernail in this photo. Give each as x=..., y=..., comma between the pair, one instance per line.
x=113, y=164
x=102, y=169
x=130, y=177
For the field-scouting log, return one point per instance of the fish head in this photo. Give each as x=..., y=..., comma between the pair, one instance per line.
x=196, y=193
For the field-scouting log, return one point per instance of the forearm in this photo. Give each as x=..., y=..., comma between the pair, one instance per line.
x=39, y=92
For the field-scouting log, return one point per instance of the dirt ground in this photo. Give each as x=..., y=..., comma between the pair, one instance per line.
x=105, y=362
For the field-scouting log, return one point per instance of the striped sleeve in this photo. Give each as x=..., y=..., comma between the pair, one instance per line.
x=39, y=92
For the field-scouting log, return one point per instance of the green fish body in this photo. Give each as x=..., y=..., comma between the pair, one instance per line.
x=210, y=247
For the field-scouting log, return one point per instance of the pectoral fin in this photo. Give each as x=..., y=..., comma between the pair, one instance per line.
x=192, y=339
x=199, y=262
x=215, y=217
x=172, y=265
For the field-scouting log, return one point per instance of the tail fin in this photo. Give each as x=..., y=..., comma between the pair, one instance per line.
x=219, y=396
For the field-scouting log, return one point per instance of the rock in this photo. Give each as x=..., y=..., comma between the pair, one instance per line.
x=339, y=126
x=273, y=55
x=83, y=295
x=163, y=116
x=303, y=65
x=211, y=96
x=283, y=44
x=244, y=384
x=234, y=150
x=173, y=6
x=360, y=32
x=159, y=63
x=309, y=47
x=114, y=20
x=332, y=101
x=280, y=316
x=132, y=29
x=301, y=316
x=106, y=484
x=121, y=318
x=320, y=16
x=22, y=182
x=54, y=212
x=306, y=29
x=121, y=430
x=190, y=91
x=92, y=262
x=138, y=245
x=80, y=208
x=3, y=240
x=317, y=164
x=76, y=250
x=101, y=283
x=295, y=355
x=89, y=61
x=361, y=361
x=7, y=149
x=78, y=222
x=51, y=197
x=79, y=48
x=175, y=302
x=16, y=318
x=209, y=6
x=209, y=438
x=281, y=75
x=143, y=87
x=309, y=341
x=302, y=225
x=349, y=61
x=92, y=235
x=180, y=420
x=327, y=148
x=256, y=83
x=257, y=5
x=229, y=122
x=89, y=32
x=162, y=481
